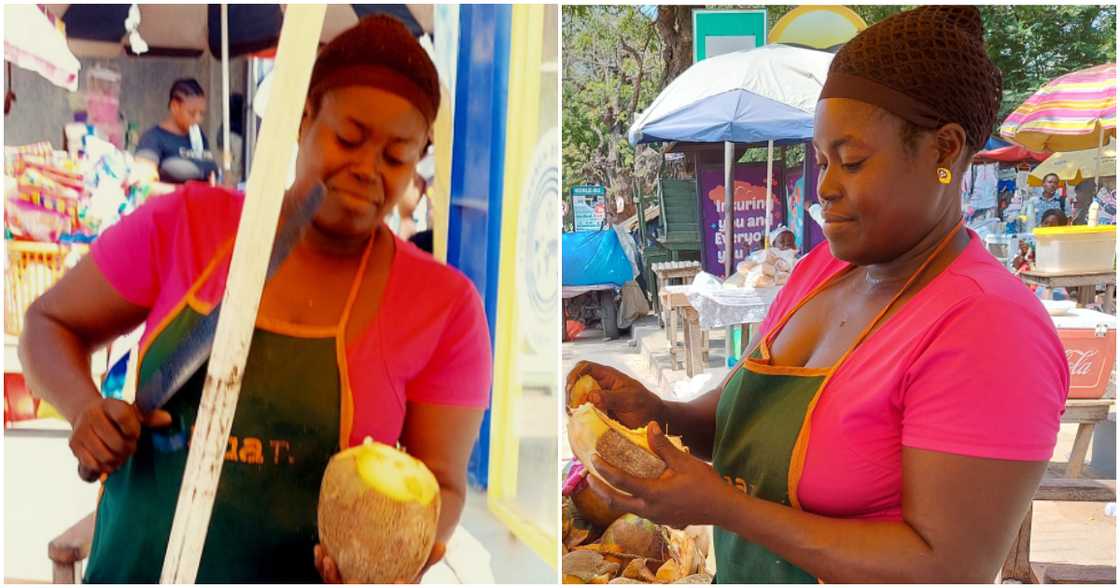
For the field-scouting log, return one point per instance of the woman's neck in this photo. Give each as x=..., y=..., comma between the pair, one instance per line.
x=902, y=267
x=321, y=242
x=169, y=125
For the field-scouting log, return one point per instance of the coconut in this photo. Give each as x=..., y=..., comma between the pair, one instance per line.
x=378, y=511
x=638, y=537
x=593, y=508
x=581, y=391
x=590, y=431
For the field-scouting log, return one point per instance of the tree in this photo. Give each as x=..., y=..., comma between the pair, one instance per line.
x=611, y=71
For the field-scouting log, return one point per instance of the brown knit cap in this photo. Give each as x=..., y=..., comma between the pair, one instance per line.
x=380, y=52
x=927, y=66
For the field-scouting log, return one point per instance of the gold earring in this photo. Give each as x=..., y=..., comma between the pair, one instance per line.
x=944, y=175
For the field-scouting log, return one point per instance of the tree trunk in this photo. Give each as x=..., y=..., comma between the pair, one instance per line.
x=674, y=27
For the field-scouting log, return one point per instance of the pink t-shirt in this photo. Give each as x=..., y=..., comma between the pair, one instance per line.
x=971, y=365
x=429, y=342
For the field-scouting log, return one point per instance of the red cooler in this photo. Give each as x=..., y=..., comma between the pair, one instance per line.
x=1090, y=341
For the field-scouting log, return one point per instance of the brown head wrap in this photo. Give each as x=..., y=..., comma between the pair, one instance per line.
x=380, y=52
x=927, y=66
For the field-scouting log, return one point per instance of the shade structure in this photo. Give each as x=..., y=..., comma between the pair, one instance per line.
x=1070, y=113
x=33, y=42
x=1011, y=154
x=764, y=94
x=99, y=30
x=1075, y=166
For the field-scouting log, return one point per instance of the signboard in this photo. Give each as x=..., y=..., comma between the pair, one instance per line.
x=589, y=191
x=715, y=32
x=749, y=212
x=589, y=205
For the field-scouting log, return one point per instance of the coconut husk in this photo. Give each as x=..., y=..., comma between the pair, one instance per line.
x=669, y=572
x=586, y=566
x=640, y=569
x=695, y=579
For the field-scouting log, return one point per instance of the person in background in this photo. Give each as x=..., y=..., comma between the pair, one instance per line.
x=1053, y=218
x=1025, y=260
x=1047, y=200
x=165, y=150
x=784, y=240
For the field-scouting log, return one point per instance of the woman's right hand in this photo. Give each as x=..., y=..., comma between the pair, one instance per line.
x=623, y=398
x=105, y=435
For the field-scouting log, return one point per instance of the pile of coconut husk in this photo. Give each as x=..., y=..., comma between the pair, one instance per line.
x=605, y=547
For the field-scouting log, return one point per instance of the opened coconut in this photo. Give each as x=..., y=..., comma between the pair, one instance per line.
x=378, y=510
x=591, y=432
x=581, y=391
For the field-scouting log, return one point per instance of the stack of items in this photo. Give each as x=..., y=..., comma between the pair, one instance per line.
x=44, y=194
x=102, y=97
x=763, y=269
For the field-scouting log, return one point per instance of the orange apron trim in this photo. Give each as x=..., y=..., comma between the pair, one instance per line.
x=347, y=418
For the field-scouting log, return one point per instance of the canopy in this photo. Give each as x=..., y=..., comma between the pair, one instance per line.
x=1073, y=112
x=1011, y=154
x=99, y=30
x=33, y=42
x=764, y=94
x=1075, y=166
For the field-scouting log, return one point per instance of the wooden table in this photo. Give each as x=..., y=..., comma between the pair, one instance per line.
x=1086, y=285
x=667, y=276
x=682, y=316
x=1087, y=413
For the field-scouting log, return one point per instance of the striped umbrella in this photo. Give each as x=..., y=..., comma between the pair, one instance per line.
x=1073, y=112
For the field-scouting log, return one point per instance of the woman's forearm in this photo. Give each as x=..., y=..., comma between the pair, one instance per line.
x=56, y=364
x=694, y=421
x=841, y=550
x=452, y=498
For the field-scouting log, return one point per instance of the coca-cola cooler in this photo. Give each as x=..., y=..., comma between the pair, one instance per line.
x=1090, y=341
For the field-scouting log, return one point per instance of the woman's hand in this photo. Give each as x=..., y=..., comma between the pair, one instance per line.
x=105, y=435
x=328, y=570
x=689, y=492
x=623, y=398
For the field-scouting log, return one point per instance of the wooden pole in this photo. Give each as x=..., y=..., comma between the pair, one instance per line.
x=255, y=233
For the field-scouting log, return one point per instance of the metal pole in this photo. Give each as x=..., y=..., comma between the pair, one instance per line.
x=226, y=159
x=1100, y=149
x=728, y=208
x=250, y=115
x=769, y=191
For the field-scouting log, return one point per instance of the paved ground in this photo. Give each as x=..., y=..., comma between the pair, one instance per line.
x=1062, y=531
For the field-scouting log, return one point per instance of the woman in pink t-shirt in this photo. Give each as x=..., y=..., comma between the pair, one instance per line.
x=359, y=335
x=896, y=416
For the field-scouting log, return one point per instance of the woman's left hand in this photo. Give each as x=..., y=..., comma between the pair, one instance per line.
x=689, y=492
x=328, y=570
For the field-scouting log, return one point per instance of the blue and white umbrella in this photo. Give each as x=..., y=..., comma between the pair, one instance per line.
x=764, y=94
x=758, y=95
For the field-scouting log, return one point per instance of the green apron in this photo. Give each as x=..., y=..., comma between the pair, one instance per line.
x=762, y=435
x=291, y=416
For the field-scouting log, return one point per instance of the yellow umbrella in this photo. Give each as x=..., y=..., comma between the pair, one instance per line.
x=1074, y=166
